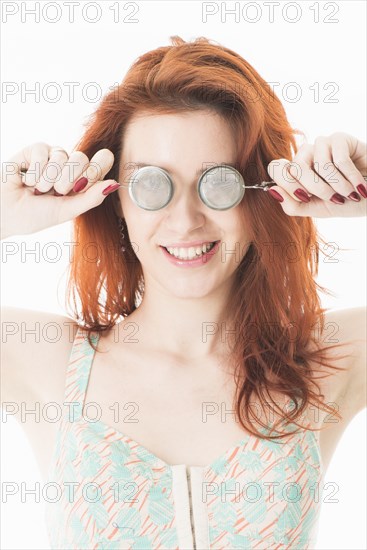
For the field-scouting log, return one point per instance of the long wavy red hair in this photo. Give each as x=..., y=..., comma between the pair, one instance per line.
x=274, y=305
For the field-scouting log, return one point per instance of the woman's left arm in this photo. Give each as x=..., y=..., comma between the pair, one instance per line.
x=350, y=385
x=331, y=171
x=323, y=175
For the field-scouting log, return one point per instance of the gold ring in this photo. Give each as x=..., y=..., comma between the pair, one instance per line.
x=57, y=149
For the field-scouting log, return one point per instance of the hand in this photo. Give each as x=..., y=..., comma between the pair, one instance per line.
x=332, y=168
x=30, y=206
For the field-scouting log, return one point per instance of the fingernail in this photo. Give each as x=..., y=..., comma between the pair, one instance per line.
x=363, y=190
x=300, y=194
x=110, y=189
x=337, y=199
x=58, y=194
x=354, y=196
x=276, y=195
x=36, y=192
x=80, y=184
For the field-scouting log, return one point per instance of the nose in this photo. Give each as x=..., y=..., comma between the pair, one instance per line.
x=185, y=212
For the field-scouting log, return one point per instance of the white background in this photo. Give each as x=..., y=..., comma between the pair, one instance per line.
x=325, y=48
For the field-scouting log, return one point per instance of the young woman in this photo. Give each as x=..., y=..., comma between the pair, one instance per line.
x=195, y=375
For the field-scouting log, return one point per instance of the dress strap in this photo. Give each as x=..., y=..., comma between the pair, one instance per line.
x=77, y=374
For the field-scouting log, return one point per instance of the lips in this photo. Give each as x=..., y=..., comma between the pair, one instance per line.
x=187, y=257
x=187, y=245
x=190, y=252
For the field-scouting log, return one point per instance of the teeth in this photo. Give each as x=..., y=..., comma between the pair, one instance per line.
x=190, y=253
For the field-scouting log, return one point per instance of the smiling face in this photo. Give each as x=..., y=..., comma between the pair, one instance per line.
x=184, y=145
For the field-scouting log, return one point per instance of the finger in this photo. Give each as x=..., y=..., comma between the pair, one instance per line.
x=341, y=151
x=100, y=164
x=306, y=182
x=11, y=174
x=73, y=205
x=71, y=172
x=293, y=207
x=318, y=208
x=302, y=170
x=30, y=159
x=38, y=155
x=325, y=167
x=53, y=169
x=279, y=170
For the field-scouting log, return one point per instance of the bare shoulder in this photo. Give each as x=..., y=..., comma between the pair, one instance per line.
x=35, y=349
x=346, y=388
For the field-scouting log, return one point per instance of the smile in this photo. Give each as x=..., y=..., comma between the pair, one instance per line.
x=189, y=253
x=192, y=256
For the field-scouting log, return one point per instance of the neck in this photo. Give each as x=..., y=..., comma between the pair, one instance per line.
x=188, y=328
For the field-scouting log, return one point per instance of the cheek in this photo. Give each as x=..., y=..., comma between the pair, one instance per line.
x=123, y=199
x=142, y=230
x=239, y=232
x=237, y=228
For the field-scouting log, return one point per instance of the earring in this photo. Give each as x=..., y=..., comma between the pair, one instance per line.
x=122, y=236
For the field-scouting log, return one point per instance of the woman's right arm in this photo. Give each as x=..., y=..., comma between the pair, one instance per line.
x=33, y=374
x=29, y=205
x=31, y=365
x=33, y=361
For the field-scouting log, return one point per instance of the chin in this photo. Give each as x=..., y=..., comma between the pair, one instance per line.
x=189, y=289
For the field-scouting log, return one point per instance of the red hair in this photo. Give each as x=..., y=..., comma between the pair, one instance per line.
x=275, y=291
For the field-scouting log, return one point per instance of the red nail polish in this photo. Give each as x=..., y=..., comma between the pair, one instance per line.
x=300, y=194
x=110, y=189
x=363, y=190
x=354, y=197
x=80, y=184
x=337, y=199
x=276, y=195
